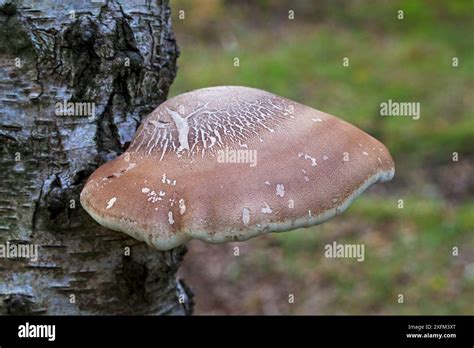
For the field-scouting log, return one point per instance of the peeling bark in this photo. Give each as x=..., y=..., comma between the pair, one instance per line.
x=120, y=56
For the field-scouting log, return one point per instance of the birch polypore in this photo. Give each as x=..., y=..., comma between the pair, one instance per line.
x=169, y=186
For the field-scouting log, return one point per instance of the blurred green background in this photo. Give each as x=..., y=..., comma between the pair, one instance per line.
x=408, y=251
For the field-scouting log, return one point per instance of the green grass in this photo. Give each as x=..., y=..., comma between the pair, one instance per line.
x=408, y=251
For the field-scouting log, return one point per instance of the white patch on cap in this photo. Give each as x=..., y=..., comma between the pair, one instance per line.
x=245, y=216
x=111, y=202
x=267, y=209
x=165, y=180
x=306, y=177
x=280, y=190
x=365, y=153
x=325, y=157
x=182, y=206
x=182, y=127
x=316, y=119
x=308, y=157
x=313, y=160
x=170, y=217
x=213, y=141
x=151, y=194
x=267, y=182
x=131, y=166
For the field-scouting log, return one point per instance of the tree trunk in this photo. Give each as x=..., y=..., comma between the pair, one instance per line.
x=121, y=59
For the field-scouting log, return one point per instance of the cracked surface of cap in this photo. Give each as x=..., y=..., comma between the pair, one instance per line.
x=178, y=180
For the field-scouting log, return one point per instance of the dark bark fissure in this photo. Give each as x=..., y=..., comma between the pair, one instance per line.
x=121, y=57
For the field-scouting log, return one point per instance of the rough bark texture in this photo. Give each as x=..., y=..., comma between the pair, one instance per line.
x=121, y=56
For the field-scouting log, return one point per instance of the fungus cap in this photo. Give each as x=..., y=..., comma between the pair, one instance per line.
x=229, y=163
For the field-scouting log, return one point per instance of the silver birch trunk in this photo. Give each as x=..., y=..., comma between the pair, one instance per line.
x=120, y=57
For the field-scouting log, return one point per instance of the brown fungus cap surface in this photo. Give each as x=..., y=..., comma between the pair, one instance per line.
x=229, y=163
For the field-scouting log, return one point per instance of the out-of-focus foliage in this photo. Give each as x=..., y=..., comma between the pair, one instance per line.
x=408, y=251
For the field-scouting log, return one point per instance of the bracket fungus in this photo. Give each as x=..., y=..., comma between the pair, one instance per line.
x=188, y=173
